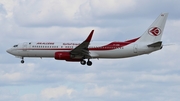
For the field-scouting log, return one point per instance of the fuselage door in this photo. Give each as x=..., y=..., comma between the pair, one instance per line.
x=25, y=46
x=24, y=52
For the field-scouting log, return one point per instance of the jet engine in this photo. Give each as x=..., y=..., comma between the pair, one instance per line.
x=66, y=56
x=62, y=56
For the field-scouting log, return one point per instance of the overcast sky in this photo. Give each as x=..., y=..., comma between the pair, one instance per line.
x=153, y=77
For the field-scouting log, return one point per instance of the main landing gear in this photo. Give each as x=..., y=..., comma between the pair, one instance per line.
x=83, y=62
x=22, y=61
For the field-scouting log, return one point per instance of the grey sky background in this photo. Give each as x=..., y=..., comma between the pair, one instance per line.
x=153, y=77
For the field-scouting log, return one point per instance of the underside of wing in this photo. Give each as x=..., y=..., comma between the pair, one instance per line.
x=82, y=49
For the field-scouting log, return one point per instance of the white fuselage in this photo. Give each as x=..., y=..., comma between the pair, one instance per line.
x=96, y=49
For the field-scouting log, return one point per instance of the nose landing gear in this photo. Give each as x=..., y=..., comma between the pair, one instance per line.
x=22, y=61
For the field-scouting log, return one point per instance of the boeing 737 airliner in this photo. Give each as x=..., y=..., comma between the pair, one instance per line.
x=149, y=42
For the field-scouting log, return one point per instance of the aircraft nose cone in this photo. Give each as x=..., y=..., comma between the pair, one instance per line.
x=8, y=51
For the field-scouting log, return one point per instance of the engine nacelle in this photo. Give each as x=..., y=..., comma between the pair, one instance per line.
x=62, y=56
x=66, y=56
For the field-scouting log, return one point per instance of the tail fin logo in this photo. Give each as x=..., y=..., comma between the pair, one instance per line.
x=154, y=31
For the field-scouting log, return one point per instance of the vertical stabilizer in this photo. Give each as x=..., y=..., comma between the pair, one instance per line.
x=154, y=32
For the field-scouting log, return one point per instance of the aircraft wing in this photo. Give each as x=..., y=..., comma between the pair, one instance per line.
x=82, y=49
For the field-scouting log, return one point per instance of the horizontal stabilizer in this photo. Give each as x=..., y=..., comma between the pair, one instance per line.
x=156, y=44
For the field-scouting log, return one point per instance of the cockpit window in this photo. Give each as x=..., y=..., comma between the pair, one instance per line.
x=15, y=46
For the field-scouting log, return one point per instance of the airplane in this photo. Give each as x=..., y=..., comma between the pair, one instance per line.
x=147, y=43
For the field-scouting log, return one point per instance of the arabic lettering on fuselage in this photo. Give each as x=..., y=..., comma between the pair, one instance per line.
x=71, y=44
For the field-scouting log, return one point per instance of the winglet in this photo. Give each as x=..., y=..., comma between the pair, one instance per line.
x=90, y=36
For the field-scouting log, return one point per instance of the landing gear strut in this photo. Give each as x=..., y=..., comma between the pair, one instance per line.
x=22, y=61
x=83, y=62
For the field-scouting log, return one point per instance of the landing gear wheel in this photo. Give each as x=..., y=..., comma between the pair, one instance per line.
x=22, y=61
x=83, y=62
x=89, y=63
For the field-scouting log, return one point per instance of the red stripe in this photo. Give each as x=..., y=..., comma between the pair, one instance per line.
x=132, y=40
x=110, y=46
x=115, y=45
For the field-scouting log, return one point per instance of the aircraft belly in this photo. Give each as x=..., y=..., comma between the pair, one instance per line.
x=117, y=53
x=41, y=53
x=20, y=53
